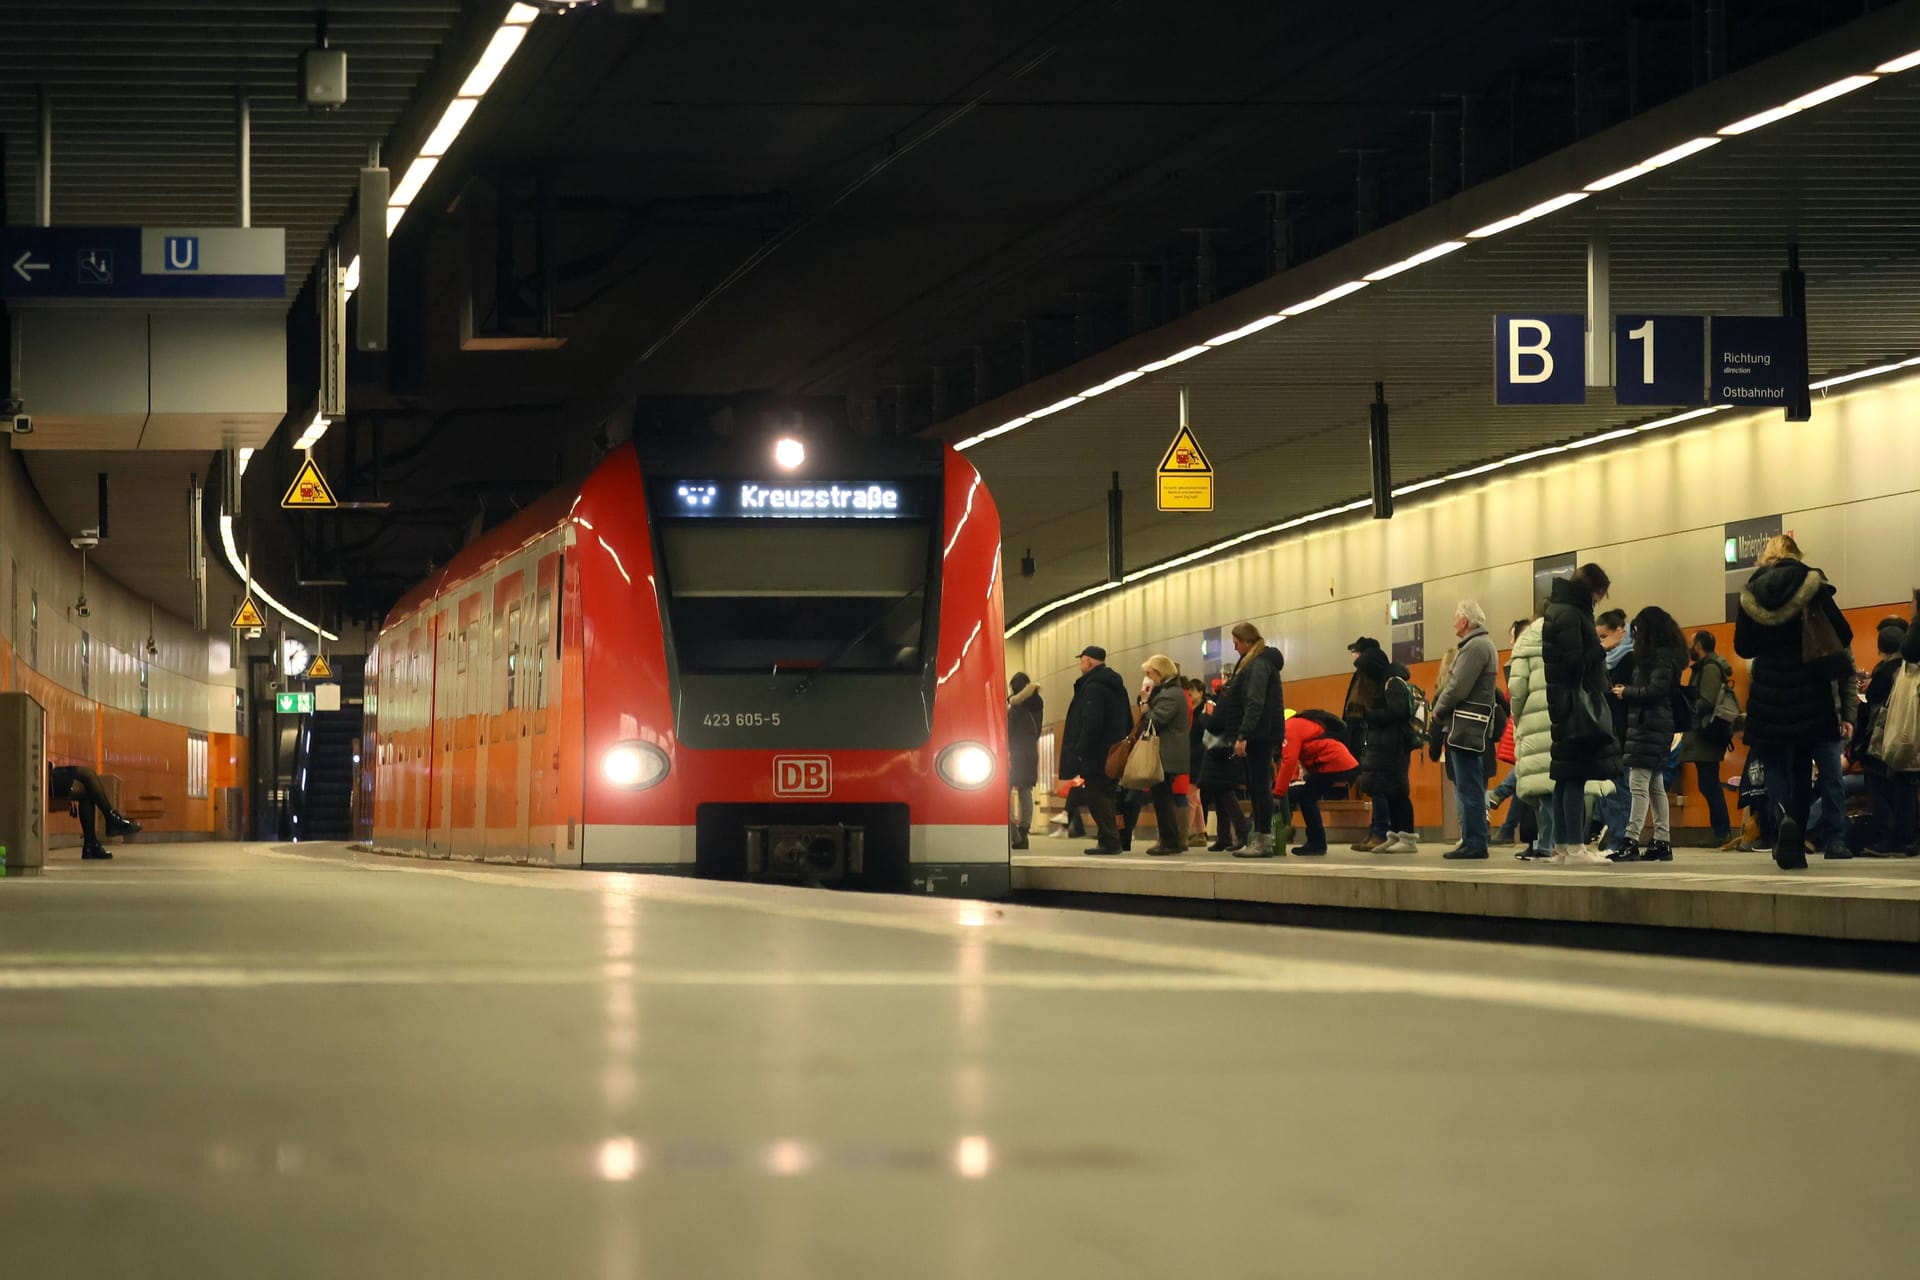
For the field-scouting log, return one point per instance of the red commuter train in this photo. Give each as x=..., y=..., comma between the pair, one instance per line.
x=763, y=659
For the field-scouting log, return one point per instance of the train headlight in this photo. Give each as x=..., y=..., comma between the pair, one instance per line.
x=634, y=766
x=789, y=452
x=965, y=765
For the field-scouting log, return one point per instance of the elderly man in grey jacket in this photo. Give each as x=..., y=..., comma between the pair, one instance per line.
x=1464, y=711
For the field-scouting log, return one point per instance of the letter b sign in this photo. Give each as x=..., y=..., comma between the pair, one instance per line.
x=1540, y=359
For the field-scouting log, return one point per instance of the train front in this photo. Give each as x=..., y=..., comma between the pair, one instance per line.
x=807, y=687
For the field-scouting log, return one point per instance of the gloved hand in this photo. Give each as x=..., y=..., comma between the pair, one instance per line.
x=1434, y=747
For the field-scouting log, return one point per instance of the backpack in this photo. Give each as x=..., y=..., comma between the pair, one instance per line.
x=1419, y=713
x=1331, y=725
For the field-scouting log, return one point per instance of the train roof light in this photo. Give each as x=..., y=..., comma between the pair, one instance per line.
x=789, y=452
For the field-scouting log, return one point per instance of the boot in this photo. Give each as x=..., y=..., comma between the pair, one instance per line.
x=93, y=849
x=1658, y=851
x=1019, y=838
x=1789, y=845
x=1259, y=845
x=118, y=824
x=1749, y=831
x=1629, y=851
x=1398, y=842
x=1368, y=843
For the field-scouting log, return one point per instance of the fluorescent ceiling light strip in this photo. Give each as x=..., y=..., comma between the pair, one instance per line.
x=394, y=214
x=350, y=278
x=499, y=52
x=1753, y=122
x=1906, y=62
x=1827, y=93
x=1178, y=356
x=1874, y=372
x=1245, y=330
x=1111, y=383
x=1320, y=300
x=964, y=445
x=1056, y=407
x=1418, y=259
x=1681, y=152
x=1540, y=210
x=1613, y=180
x=260, y=595
x=416, y=177
x=452, y=121
x=520, y=15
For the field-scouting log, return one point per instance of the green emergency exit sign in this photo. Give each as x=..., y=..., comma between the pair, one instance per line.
x=293, y=704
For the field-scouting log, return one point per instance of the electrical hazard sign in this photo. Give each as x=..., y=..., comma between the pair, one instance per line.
x=1186, y=475
x=247, y=616
x=320, y=669
x=309, y=490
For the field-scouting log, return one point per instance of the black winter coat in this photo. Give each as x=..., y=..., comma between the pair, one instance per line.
x=1026, y=713
x=1253, y=704
x=1650, y=704
x=1363, y=694
x=1790, y=700
x=1219, y=767
x=1584, y=748
x=1385, y=755
x=1100, y=714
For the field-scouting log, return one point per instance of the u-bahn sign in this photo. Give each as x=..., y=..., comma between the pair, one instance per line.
x=116, y=264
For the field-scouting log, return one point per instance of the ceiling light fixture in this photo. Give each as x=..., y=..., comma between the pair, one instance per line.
x=1419, y=259
x=260, y=594
x=1334, y=294
x=1111, y=383
x=1614, y=179
x=1245, y=330
x=1827, y=93
x=1178, y=357
x=1540, y=210
x=1753, y=122
x=452, y=121
x=1661, y=159
x=1905, y=62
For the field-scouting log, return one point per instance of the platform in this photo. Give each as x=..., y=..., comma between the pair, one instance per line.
x=1860, y=900
x=243, y=1061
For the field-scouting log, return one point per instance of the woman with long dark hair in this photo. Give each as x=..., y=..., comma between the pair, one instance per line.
x=1659, y=656
x=1584, y=748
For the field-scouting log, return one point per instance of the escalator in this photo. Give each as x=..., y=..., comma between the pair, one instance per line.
x=323, y=776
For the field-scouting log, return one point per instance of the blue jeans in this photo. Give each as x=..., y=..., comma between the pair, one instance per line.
x=1508, y=790
x=1470, y=785
x=1545, y=822
x=1613, y=811
x=1569, y=812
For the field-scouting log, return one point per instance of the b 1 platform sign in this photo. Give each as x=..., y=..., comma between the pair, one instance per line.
x=309, y=490
x=1186, y=476
x=247, y=616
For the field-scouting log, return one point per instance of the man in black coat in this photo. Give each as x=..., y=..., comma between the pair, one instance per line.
x=1584, y=747
x=1100, y=715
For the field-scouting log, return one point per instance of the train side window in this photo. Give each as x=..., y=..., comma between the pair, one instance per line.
x=513, y=656
x=544, y=619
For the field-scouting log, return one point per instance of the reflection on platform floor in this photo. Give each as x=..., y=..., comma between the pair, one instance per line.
x=244, y=1061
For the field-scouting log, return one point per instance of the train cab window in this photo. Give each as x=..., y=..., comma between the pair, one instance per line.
x=847, y=594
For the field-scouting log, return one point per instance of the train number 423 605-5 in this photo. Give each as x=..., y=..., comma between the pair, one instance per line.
x=741, y=720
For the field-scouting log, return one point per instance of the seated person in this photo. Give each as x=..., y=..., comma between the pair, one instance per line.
x=78, y=783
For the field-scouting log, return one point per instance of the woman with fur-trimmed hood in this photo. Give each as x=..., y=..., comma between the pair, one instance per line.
x=1800, y=701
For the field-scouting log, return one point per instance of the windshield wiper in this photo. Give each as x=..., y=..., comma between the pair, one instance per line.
x=848, y=645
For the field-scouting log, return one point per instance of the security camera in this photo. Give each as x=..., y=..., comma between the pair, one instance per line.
x=87, y=541
x=80, y=609
x=21, y=425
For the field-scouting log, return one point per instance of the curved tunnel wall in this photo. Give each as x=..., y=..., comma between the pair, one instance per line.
x=110, y=705
x=1847, y=484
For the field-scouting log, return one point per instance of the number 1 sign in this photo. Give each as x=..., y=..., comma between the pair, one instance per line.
x=1659, y=359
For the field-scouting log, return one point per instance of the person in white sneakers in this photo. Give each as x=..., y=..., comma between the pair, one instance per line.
x=1584, y=747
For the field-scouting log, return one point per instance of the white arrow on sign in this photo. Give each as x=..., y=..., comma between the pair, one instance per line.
x=21, y=266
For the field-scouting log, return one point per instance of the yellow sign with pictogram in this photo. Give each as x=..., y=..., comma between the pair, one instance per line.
x=1186, y=476
x=309, y=490
x=247, y=616
x=319, y=670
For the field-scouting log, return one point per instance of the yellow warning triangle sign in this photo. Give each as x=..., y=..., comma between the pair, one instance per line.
x=247, y=616
x=319, y=670
x=309, y=489
x=1185, y=457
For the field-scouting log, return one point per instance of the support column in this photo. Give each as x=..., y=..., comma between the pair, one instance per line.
x=1379, y=456
x=1116, y=561
x=43, y=189
x=1599, y=310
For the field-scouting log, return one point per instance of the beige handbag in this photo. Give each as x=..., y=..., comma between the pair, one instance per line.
x=1143, y=770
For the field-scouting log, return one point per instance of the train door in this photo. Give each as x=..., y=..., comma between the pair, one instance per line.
x=521, y=723
x=468, y=825
x=442, y=701
x=544, y=834
x=506, y=822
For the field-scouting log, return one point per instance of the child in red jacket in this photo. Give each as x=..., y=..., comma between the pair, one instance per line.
x=1317, y=752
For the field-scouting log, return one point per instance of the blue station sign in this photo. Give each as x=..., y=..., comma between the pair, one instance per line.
x=1659, y=359
x=1755, y=359
x=1539, y=359
x=111, y=264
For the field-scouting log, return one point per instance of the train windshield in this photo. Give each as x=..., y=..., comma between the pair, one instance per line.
x=797, y=594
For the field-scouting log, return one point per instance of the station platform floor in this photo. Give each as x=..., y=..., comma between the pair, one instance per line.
x=244, y=1061
x=1872, y=900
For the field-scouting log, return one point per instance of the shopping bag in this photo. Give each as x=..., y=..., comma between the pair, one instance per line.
x=1143, y=770
x=1899, y=733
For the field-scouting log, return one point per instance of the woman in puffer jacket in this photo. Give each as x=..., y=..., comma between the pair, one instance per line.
x=1659, y=656
x=1532, y=736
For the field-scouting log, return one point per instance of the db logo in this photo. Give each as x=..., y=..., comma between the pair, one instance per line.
x=802, y=775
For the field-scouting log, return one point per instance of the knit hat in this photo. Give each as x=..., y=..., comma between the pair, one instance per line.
x=1364, y=642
